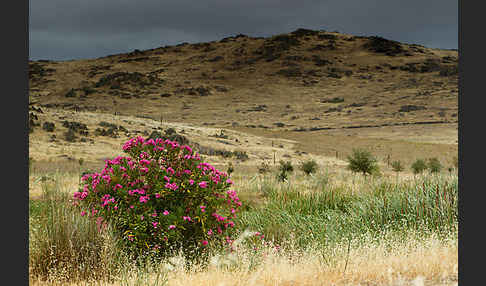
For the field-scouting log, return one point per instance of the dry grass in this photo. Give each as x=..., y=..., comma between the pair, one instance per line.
x=373, y=265
x=426, y=262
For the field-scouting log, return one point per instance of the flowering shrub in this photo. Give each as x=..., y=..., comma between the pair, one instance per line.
x=161, y=197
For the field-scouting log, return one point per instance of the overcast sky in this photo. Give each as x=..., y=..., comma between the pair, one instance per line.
x=68, y=29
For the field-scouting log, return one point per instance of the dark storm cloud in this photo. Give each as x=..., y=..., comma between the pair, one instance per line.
x=61, y=29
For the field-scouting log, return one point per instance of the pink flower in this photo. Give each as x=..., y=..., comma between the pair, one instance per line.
x=210, y=232
x=204, y=242
x=203, y=184
x=83, y=213
x=155, y=224
x=188, y=218
x=203, y=208
x=166, y=212
x=229, y=181
x=142, y=217
x=172, y=186
x=172, y=226
x=191, y=182
x=144, y=199
x=157, y=196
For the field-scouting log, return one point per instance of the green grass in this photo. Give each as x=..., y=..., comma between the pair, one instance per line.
x=326, y=216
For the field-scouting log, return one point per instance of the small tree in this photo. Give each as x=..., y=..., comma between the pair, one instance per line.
x=397, y=166
x=362, y=161
x=434, y=165
x=418, y=166
x=309, y=167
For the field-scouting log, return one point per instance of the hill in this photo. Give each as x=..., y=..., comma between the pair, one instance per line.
x=304, y=93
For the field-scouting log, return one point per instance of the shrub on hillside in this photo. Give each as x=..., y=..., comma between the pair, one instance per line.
x=309, y=167
x=286, y=166
x=282, y=176
x=434, y=165
x=362, y=161
x=161, y=198
x=230, y=169
x=397, y=166
x=419, y=166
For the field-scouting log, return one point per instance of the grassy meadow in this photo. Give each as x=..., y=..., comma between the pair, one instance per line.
x=328, y=228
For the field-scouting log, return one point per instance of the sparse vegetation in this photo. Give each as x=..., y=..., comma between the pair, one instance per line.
x=419, y=166
x=286, y=166
x=230, y=169
x=333, y=100
x=434, y=165
x=309, y=167
x=70, y=135
x=263, y=168
x=397, y=166
x=282, y=176
x=362, y=161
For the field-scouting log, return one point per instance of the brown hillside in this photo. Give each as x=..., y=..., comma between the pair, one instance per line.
x=323, y=93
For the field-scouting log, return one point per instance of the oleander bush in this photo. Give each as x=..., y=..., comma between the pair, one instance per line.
x=161, y=198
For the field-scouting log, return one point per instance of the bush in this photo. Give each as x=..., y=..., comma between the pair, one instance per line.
x=48, y=126
x=397, y=166
x=309, y=167
x=362, y=161
x=282, y=176
x=286, y=166
x=419, y=166
x=161, y=199
x=70, y=135
x=241, y=155
x=434, y=165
